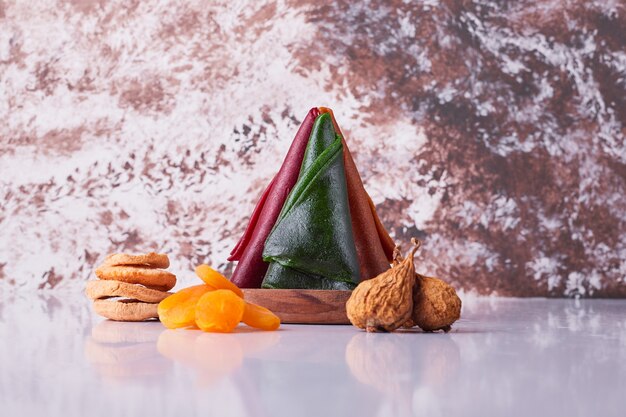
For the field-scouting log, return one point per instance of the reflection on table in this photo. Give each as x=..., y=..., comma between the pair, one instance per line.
x=126, y=351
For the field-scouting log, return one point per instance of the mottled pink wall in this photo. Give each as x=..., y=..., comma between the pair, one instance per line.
x=495, y=132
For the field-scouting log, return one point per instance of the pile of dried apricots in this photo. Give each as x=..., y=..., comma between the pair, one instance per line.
x=215, y=306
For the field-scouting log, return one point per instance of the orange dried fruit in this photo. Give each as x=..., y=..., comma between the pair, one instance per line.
x=219, y=311
x=260, y=317
x=213, y=278
x=178, y=310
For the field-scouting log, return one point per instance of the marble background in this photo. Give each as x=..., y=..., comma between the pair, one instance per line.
x=493, y=131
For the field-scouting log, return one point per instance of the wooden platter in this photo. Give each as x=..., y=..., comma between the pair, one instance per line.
x=303, y=306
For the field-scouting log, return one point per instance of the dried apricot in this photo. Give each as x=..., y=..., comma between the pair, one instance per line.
x=219, y=311
x=213, y=278
x=178, y=310
x=260, y=317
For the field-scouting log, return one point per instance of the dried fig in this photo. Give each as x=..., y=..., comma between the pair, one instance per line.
x=435, y=305
x=384, y=303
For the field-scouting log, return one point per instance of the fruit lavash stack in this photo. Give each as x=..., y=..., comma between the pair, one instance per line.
x=315, y=226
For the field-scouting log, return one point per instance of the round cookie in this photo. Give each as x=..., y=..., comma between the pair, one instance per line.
x=126, y=310
x=108, y=288
x=156, y=279
x=152, y=259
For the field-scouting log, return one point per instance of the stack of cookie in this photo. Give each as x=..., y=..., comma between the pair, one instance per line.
x=130, y=287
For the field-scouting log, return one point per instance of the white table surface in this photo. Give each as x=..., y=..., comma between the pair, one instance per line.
x=506, y=357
